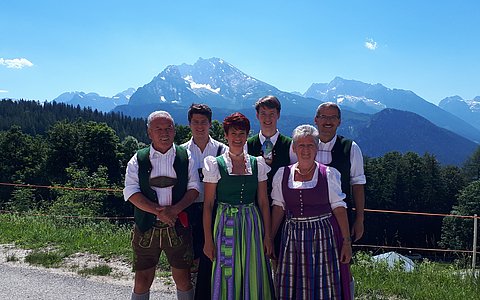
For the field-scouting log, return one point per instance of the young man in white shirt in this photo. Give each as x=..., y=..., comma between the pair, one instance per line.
x=201, y=145
x=275, y=147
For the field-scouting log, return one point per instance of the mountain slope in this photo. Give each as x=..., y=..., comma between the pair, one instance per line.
x=368, y=98
x=218, y=84
x=468, y=110
x=395, y=130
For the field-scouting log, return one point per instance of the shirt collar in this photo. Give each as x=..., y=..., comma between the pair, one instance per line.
x=273, y=138
x=154, y=153
x=328, y=145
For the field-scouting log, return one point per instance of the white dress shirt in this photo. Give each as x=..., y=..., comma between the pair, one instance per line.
x=198, y=156
x=335, y=194
x=324, y=156
x=162, y=165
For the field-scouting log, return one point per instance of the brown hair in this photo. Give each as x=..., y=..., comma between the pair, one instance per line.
x=201, y=109
x=268, y=102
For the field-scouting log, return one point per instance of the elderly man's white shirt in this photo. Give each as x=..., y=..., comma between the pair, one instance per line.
x=162, y=165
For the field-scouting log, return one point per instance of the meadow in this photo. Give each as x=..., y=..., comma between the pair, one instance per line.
x=54, y=239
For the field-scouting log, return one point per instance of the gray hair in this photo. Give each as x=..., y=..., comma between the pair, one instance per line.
x=305, y=130
x=158, y=114
x=329, y=104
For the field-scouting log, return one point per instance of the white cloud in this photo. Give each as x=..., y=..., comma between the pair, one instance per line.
x=16, y=63
x=370, y=44
x=3, y=91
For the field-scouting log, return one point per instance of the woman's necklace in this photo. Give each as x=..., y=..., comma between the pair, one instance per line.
x=238, y=165
x=236, y=155
x=306, y=173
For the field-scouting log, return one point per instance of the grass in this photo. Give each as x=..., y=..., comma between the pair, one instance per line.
x=69, y=236
x=45, y=259
x=54, y=239
x=100, y=270
x=429, y=280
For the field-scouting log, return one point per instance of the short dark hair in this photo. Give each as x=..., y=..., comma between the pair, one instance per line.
x=268, y=102
x=329, y=104
x=237, y=121
x=201, y=109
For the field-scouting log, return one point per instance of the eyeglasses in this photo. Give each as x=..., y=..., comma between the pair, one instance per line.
x=329, y=118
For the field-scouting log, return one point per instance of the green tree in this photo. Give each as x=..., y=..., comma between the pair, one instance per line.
x=22, y=160
x=457, y=233
x=453, y=181
x=217, y=133
x=23, y=199
x=98, y=147
x=407, y=182
x=182, y=134
x=472, y=166
x=127, y=148
x=63, y=140
x=86, y=144
x=88, y=203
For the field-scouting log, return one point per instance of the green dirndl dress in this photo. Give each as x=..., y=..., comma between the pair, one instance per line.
x=241, y=270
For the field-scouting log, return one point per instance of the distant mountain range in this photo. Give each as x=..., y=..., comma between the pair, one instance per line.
x=402, y=131
x=368, y=98
x=468, y=110
x=94, y=100
x=379, y=118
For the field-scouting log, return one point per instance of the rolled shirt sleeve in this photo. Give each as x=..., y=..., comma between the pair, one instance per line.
x=357, y=175
x=132, y=185
x=335, y=193
x=193, y=178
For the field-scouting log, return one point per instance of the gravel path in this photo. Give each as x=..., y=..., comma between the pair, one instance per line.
x=19, y=280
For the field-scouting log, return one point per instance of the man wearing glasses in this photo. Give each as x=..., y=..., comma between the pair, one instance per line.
x=344, y=155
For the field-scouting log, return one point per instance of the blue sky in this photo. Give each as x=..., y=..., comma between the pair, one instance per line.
x=51, y=47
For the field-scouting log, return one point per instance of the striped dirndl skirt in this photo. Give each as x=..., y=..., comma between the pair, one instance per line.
x=241, y=270
x=309, y=262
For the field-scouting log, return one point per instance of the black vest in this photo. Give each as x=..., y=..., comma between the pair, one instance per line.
x=280, y=155
x=145, y=220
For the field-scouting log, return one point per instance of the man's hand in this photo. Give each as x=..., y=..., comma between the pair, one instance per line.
x=357, y=230
x=167, y=214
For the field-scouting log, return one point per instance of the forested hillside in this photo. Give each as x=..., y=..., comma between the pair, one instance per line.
x=63, y=146
x=34, y=117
